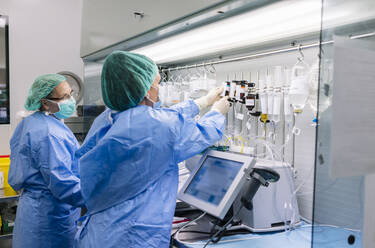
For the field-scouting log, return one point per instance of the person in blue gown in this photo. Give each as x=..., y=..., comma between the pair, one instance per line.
x=44, y=168
x=129, y=160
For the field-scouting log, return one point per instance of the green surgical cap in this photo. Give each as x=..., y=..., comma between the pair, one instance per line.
x=126, y=79
x=41, y=88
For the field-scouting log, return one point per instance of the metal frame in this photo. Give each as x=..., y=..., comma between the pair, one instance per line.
x=7, y=64
x=220, y=210
x=79, y=83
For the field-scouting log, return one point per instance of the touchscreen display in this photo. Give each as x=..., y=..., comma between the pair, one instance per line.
x=213, y=179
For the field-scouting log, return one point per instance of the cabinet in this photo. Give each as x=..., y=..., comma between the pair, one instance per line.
x=8, y=211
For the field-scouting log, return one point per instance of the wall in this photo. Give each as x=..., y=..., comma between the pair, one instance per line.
x=44, y=37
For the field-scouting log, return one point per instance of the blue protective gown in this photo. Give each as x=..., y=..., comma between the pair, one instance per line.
x=43, y=164
x=129, y=172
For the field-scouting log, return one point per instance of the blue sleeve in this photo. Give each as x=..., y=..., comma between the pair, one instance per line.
x=21, y=165
x=56, y=166
x=188, y=109
x=195, y=136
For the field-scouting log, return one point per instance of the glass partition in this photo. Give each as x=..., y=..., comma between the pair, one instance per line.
x=347, y=31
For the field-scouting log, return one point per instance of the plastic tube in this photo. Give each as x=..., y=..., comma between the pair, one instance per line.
x=238, y=117
x=270, y=96
x=279, y=76
x=287, y=106
x=263, y=97
x=276, y=107
x=238, y=92
x=232, y=90
x=287, y=111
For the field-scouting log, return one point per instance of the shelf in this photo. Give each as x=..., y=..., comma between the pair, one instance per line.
x=6, y=236
x=9, y=198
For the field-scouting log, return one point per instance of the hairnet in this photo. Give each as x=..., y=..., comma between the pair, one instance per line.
x=126, y=79
x=42, y=87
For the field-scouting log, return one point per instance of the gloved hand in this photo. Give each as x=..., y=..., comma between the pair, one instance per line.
x=210, y=98
x=221, y=106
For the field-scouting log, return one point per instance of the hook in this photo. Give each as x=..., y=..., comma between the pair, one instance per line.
x=213, y=71
x=213, y=68
x=204, y=67
x=179, y=76
x=196, y=70
x=187, y=75
x=200, y=72
x=301, y=53
x=163, y=76
x=170, y=77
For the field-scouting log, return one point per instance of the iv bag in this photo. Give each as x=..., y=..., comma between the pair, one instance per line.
x=163, y=93
x=299, y=88
x=263, y=97
x=324, y=102
x=313, y=92
x=270, y=96
x=198, y=88
x=276, y=106
x=287, y=112
x=263, y=102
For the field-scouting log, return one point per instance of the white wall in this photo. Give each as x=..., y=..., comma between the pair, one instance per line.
x=44, y=37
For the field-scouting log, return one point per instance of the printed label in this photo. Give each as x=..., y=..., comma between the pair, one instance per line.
x=240, y=116
x=250, y=102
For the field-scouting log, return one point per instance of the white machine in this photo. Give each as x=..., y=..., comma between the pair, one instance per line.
x=275, y=206
x=272, y=208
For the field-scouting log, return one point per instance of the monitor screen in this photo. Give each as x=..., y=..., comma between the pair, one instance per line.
x=213, y=179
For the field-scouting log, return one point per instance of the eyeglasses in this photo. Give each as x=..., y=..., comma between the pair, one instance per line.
x=65, y=97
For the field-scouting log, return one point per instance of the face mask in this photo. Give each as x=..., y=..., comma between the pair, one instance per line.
x=67, y=108
x=154, y=104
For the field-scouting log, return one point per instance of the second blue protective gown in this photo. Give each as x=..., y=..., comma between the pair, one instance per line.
x=44, y=166
x=129, y=172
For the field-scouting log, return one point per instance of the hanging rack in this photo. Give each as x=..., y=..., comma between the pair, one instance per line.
x=301, y=53
x=263, y=54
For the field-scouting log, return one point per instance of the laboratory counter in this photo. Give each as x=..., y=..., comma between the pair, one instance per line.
x=324, y=236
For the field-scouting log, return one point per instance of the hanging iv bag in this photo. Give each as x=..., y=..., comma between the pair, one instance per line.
x=326, y=75
x=287, y=108
x=263, y=97
x=300, y=86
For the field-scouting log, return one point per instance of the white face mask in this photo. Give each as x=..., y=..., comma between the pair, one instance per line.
x=154, y=104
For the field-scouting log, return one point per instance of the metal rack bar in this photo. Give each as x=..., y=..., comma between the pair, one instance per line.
x=9, y=198
x=263, y=54
x=6, y=236
x=246, y=57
